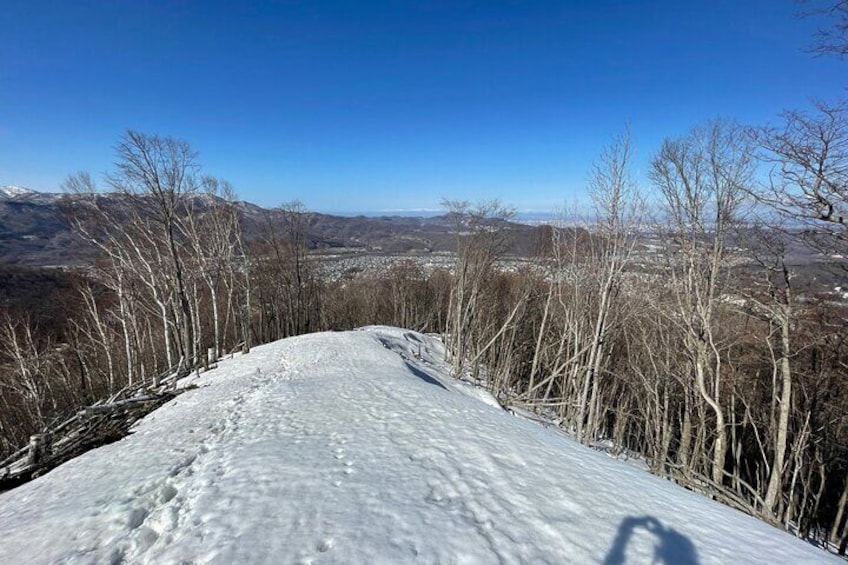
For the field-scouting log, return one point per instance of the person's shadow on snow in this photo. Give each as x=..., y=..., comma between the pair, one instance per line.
x=670, y=546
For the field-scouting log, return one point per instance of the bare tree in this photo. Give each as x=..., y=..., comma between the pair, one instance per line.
x=30, y=377
x=774, y=305
x=480, y=241
x=832, y=38
x=160, y=173
x=617, y=209
x=120, y=229
x=703, y=179
x=292, y=299
x=210, y=227
x=808, y=154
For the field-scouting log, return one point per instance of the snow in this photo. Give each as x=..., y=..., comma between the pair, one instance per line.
x=357, y=447
x=10, y=191
x=21, y=194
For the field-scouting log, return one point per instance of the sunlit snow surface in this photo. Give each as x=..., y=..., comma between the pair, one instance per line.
x=357, y=447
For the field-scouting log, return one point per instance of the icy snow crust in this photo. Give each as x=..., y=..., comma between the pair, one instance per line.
x=357, y=447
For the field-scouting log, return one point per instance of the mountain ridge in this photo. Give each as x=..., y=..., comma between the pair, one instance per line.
x=35, y=232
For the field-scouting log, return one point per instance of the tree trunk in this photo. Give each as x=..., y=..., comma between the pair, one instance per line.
x=840, y=514
x=776, y=478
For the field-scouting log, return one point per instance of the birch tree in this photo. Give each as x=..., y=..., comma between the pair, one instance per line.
x=617, y=213
x=480, y=241
x=161, y=173
x=702, y=179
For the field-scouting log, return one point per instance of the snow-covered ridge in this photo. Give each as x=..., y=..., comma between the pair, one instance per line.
x=10, y=191
x=357, y=447
x=21, y=194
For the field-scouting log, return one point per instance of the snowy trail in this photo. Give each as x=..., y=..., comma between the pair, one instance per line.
x=349, y=448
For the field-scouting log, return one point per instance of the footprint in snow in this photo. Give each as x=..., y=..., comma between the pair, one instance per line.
x=136, y=517
x=325, y=545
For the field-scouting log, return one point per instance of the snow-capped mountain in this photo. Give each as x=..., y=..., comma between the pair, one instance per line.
x=9, y=192
x=21, y=194
x=358, y=447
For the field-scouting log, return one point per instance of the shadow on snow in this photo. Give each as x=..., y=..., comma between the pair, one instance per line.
x=670, y=546
x=423, y=376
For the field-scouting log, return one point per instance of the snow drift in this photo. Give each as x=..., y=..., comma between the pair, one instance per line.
x=358, y=447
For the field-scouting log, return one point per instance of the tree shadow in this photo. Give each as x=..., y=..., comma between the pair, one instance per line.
x=423, y=376
x=670, y=546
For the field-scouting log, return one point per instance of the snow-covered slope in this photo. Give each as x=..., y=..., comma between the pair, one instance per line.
x=10, y=191
x=19, y=193
x=357, y=448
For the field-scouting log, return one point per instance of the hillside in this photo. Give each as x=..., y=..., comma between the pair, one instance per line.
x=35, y=232
x=357, y=447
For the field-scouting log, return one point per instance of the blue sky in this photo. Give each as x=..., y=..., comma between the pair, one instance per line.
x=352, y=106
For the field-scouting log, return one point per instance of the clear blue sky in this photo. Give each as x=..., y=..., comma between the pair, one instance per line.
x=361, y=105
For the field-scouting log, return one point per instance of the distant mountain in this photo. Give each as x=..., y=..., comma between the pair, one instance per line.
x=21, y=194
x=34, y=231
x=9, y=192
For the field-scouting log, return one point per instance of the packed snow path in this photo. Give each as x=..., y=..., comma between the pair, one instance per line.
x=357, y=447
